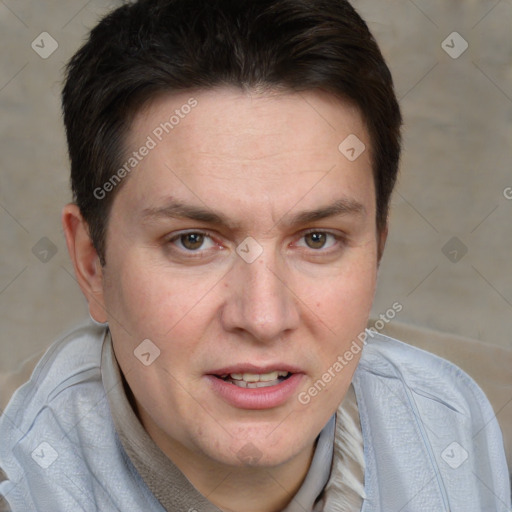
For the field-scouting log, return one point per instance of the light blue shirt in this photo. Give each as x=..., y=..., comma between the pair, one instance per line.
x=431, y=439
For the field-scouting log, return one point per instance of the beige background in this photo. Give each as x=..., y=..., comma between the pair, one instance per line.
x=455, y=171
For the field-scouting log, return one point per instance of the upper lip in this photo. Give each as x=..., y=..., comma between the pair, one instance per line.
x=252, y=368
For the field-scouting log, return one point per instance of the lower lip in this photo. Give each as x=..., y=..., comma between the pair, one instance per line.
x=256, y=398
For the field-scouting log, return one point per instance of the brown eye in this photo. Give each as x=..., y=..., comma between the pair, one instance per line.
x=315, y=240
x=192, y=241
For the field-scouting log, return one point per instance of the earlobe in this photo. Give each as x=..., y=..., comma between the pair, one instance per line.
x=86, y=262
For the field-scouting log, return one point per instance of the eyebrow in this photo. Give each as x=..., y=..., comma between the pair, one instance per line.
x=179, y=210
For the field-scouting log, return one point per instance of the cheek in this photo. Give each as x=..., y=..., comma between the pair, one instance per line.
x=153, y=300
x=345, y=299
x=343, y=307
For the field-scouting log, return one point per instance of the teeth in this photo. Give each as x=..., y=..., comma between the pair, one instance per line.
x=252, y=385
x=255, y=380
x=258, y=377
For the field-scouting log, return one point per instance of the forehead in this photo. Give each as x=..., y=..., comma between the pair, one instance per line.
x=239, y=119
x=241, y=145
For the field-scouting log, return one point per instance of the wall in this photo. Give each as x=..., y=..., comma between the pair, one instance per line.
x=448, y=259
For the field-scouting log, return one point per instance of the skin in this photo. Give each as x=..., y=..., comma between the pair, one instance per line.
x=258, y=159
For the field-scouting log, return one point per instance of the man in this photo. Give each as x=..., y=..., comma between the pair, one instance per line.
x=232, y=164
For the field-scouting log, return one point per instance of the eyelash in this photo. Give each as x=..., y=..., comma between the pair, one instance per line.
x=339, y=240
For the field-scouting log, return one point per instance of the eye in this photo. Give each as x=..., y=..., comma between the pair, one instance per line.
x=319, y=240
x=192, y=241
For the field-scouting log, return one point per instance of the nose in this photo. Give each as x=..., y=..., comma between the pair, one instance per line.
x=260, y=302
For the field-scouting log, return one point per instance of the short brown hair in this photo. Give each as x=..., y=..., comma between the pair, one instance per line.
x=152, y=46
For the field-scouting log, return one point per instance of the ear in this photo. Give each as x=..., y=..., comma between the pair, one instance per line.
x=382, y=236
x=86, y=262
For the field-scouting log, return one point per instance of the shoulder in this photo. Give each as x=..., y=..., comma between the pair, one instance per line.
x=71, y=362
x=59, y=448
x=421, y=414
x=421, y=372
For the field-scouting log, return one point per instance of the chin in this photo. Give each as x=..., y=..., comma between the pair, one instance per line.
x=251, y=455
x=263, y=450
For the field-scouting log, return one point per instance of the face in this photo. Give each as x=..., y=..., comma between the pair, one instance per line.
x=243, y=245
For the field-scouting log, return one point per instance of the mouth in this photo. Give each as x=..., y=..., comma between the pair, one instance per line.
x=255, y=387
x=255, y=380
